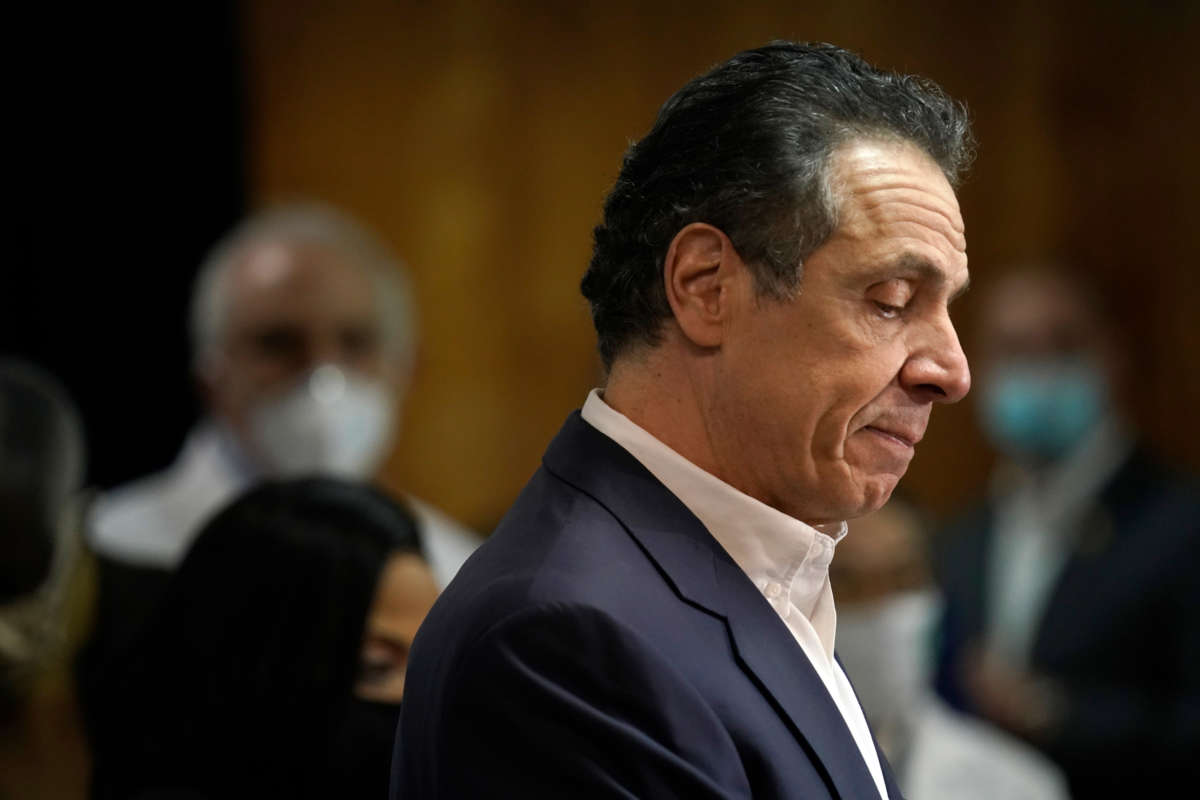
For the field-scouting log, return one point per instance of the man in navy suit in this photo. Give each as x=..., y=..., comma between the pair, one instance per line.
x=770, y=286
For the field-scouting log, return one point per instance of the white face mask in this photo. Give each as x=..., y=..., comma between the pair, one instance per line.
x=331, y=422
x=886, y=648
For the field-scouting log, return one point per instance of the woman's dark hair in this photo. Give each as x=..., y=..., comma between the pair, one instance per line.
x=746, y=148
x=238, y=681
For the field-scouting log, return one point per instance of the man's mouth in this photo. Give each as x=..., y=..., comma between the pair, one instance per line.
x=903, y=437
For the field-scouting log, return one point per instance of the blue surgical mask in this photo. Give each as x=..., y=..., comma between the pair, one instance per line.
x=1041, y=409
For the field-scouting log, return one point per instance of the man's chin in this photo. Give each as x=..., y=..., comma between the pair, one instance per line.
x=858, y=503
x=875, y=495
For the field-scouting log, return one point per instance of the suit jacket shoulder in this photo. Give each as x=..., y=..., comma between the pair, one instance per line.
x=602, y=643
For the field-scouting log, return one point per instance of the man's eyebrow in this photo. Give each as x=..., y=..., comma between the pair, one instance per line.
x=925, y=269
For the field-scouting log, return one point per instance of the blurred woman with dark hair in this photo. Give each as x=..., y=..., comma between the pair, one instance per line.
x=275, y=665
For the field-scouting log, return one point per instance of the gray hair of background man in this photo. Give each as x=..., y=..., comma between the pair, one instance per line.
x=746, y=147
x=304, y=223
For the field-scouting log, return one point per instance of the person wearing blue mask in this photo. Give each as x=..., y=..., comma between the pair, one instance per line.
x=1072, y=606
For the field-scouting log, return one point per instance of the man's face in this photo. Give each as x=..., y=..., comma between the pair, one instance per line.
x=1033, y=315
x=819, y=401
x=1049, y=366
x=292, y=307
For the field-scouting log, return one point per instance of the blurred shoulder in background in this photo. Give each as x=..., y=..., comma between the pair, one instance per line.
x=46, y=585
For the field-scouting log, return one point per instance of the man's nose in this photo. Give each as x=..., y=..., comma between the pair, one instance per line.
x=325, y=350
x=937, y=370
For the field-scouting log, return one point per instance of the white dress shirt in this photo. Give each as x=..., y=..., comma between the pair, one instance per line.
x=1038, y=517
x=153, y=521
x=785, y=558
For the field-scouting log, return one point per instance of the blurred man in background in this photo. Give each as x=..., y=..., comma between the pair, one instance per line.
x=1073, y=608
x=304, y=332
x=304, y=335
x=888, y=609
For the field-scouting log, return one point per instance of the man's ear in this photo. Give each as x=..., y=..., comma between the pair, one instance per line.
x=697, y=276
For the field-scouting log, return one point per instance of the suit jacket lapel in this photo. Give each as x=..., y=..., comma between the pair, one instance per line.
x=704, y=575
x=889, y=777
x=771, y=654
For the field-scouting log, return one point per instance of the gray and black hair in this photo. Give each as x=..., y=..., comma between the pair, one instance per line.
x=304, y=223
x=746, y=147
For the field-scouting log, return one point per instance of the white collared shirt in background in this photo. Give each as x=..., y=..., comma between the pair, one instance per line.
x=1037, y=520
x=152, y=522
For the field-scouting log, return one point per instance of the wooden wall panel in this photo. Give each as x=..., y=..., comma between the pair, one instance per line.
x=480, y=139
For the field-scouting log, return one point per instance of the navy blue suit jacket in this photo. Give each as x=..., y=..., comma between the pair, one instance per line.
x=602, y=644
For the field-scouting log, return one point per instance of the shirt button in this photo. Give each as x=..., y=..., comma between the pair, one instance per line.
x=774, y=590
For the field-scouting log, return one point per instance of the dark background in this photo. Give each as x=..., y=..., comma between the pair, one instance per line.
x=129, y=165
